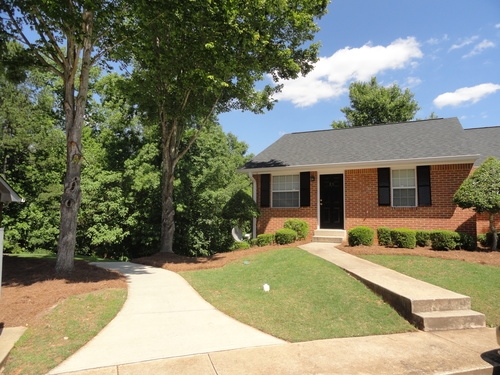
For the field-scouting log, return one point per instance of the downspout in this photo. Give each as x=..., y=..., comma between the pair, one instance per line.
x=254, y=196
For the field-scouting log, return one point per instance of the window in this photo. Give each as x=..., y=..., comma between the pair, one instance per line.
x=285, y=191
x=404, y=189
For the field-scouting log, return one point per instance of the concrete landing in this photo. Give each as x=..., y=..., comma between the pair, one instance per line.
x=427, y=306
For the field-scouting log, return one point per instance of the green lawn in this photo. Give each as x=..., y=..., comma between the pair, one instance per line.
x=478, y=281
x=310, y=298
x=65, y=329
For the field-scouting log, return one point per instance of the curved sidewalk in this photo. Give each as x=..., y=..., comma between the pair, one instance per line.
x=163, y=317
x=165, y=327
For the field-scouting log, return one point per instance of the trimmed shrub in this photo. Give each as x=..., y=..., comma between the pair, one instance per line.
x=384, y=236
x=445, y=240
x=423, y=238
x=285, y=236
x=299, y=226
x=467, y=241
x=485, y=239
x=360, y=236
x=254, y=242
x=404, y=238
x=240, y=245
x=265, y=239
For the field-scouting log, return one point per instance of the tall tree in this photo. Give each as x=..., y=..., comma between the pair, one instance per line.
x=199, y=58
x=481, y=192
x=374, y=104
x=207, y=179
x=67, y=38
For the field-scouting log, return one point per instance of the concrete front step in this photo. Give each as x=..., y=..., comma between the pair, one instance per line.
x=427, y=306
x=329, y=235
x=448, y=320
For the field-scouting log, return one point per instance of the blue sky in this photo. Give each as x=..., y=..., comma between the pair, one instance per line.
x=447, y=52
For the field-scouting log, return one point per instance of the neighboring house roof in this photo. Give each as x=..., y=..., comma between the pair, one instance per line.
x=7, y=194
x=486, y=141
x=427, y=141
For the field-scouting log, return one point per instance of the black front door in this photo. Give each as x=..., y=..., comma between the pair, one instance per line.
x=331, y=201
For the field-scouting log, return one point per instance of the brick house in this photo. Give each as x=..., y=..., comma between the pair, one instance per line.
x=393, y=175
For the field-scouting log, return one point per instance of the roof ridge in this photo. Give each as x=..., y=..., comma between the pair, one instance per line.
x=377, y=125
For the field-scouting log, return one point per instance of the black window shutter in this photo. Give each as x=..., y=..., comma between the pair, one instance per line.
x=265, y=190
x=305, y=189
x=424, y=185
x=384, y=186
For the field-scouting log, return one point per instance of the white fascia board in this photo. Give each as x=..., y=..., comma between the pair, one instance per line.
x=460, y=159
x=7, y=194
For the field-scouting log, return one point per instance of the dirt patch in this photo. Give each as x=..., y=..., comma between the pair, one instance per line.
x=29, y=286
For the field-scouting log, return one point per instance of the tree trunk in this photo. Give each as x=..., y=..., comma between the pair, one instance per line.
x=494, y=233
x=74, y=110
x=169, y=161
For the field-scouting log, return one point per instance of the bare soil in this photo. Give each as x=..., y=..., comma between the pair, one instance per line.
x=30, y=288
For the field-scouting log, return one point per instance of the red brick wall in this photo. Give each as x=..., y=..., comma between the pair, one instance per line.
x=361, y=205
x=361, y=202
x=272, y=219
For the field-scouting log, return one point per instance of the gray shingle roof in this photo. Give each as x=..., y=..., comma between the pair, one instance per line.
x=436, y=138
x=486, y=141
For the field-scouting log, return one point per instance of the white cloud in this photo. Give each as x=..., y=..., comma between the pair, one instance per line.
x=497, y=26
x=480, y=47
x=466, y=42
x=465, y=95
x=331, y=75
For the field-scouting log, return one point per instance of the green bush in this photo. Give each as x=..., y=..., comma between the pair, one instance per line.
x=423, y=238
x=445, y=240
x=384, y=236
x=265, y=239
x=254, y=242
x=360, y=236
x=404, y=238
x=285, y=236
x=485, y=239
x=467, y=241
x=240, y=245
x=299, y=226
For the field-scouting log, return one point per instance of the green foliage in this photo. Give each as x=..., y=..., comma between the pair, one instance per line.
x=423, y=238
x=299, y=226
x=445, y=240
x=384, y=236
x=360, y=236
x=265, y=239
x=374, y=104
x=485, y=239
x=206, y=183
x=467, y=241
x=404, y=238
x=240, y=245
x=240, y=208
x=285, y=236
x=480, y=192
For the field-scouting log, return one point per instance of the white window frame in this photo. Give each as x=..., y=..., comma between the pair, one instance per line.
x=404, y=187
x=293, y=188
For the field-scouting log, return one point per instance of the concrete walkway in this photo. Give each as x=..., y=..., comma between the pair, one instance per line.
x=166, y=328
x=163, y=317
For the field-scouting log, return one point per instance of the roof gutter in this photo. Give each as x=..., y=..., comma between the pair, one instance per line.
x=460, y=159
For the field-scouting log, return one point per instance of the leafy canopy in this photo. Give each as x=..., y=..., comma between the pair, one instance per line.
x=374, y=104
x=481, y=191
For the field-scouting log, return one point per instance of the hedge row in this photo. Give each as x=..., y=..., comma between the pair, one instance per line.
x=293, y=230
x=409, y=239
